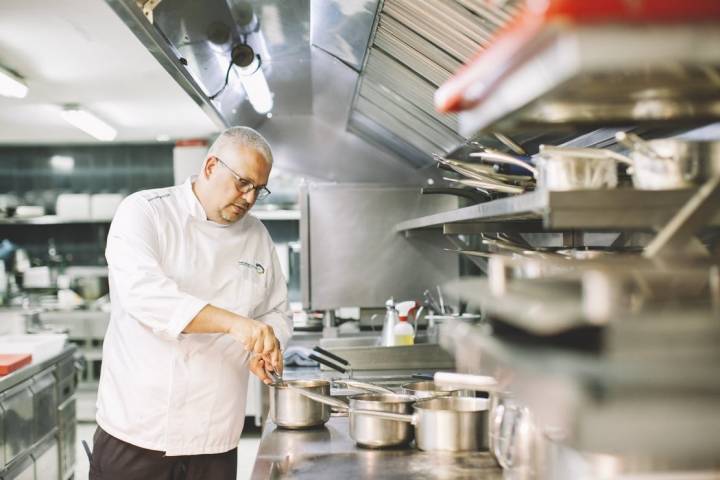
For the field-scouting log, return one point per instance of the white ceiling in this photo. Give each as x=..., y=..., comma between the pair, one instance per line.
x=79, y=51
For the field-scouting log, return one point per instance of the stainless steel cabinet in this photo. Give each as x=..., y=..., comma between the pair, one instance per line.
x=67, y=433
x=46, y=460
x=66, y=379
x=44, y=404
x=22, y=470
x=18, y=420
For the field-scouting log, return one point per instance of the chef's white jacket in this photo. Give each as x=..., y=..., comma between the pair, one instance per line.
x=160, y=389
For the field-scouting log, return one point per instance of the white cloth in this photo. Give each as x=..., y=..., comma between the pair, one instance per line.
x=160, y=389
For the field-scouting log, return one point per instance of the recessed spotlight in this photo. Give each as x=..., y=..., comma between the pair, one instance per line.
x=163, y=137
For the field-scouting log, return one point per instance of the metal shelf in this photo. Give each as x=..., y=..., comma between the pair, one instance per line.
x=595, y=397
x=51, y=220
x=268, y=215
x=610, y=210
x=561, y=81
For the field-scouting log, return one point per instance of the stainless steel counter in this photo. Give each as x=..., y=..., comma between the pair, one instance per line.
x=10, y=380
x=330, y=453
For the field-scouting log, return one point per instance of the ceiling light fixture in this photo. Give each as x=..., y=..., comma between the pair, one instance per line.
x=88, y=123
x=11, y=84
x=248, y=66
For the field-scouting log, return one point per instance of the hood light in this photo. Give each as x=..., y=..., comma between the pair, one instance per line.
x=249, y=69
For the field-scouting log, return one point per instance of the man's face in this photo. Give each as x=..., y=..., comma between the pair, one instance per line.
x=228, y=203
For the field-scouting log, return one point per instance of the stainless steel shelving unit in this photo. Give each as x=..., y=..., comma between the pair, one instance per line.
x=266, y=215
x=593, y=210
x=594, y=394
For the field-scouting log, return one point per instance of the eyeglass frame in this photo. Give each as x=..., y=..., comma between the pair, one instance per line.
x=259, y=189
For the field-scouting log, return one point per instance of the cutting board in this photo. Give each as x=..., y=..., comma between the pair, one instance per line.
x=9, y=362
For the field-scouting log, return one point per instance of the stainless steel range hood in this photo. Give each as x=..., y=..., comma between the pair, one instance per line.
x=351, y=80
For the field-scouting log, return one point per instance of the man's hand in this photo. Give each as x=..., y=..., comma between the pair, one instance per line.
x=257, y=367
x=259, y=338
x=260, y=367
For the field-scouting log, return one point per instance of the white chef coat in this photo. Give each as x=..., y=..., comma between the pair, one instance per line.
x=160, y=389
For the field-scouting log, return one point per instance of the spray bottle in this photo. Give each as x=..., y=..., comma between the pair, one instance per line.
x=404, y=333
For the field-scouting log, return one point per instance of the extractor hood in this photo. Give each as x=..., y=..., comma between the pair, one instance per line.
x=416, y=46
x=352, y=81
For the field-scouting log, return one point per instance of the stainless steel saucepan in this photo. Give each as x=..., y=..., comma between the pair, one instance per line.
x=293, y=410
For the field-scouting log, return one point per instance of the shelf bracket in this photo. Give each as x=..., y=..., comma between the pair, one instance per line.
x=680, y=230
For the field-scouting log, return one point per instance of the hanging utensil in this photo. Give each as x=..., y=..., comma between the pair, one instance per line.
x=487, y=186
x=499, y=157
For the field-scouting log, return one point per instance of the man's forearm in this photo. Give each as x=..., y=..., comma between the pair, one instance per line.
x=257, y=337
x=212, y=320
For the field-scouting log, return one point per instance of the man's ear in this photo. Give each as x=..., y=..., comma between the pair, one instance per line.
x=209, y=166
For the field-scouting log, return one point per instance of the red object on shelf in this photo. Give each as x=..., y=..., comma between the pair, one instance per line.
x=9, y=362
x=627, y=10
x=467, y=87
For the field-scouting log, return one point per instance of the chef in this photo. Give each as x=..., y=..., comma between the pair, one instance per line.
x=198, y=301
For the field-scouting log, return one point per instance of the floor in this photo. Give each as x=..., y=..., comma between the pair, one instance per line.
x=247, y=451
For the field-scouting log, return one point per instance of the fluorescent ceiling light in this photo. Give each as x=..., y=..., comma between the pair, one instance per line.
x=11, y=85
x=89, y=123
x=256, y=87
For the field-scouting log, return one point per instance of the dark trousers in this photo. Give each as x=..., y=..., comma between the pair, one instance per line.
x=113, y=459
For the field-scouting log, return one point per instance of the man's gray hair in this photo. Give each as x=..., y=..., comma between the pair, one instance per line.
x=241, y=137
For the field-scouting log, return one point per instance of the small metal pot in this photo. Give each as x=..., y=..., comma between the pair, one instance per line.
x=567, y=169
x=667, y=164
x=373, y=432
x=449, y=424
x=293, y=410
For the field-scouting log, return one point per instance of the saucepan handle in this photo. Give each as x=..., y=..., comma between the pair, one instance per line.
x=327, y=363
x=318, y=397
x=332, y=356
x=400, y=417
x=364, y=386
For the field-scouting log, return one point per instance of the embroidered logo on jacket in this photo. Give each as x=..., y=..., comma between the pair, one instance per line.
x=257, y=267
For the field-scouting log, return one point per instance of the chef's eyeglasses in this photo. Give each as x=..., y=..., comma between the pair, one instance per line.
x=244, y=185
